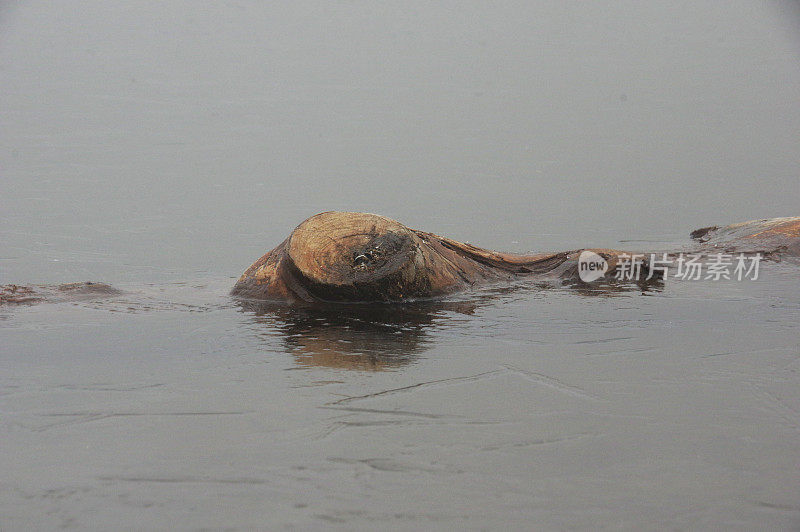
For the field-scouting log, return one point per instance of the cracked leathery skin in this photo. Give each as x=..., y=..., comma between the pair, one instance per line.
x=770, y=237
x=348, y=256
x=361, y=258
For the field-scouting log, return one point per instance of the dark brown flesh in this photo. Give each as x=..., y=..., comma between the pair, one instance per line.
x=346, y=256
x=357, y=257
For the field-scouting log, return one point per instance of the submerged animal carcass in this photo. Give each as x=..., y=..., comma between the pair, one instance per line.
x=769, y=237
x=349, y=256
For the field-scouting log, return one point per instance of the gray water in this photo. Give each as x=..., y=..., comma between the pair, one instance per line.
x=162, y=147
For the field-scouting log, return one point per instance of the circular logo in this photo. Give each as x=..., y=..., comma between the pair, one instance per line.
x=591, y=266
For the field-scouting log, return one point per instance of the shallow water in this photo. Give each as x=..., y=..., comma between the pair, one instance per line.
x=675, y=408
x=163, y=148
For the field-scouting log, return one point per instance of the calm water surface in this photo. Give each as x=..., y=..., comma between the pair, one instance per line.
x=162, y=148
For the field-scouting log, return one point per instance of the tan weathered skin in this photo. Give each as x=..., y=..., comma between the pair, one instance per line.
x=346, y=256
x=770, y=237
x=357, y=257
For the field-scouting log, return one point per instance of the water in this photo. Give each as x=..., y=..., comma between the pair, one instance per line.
x=163, y=148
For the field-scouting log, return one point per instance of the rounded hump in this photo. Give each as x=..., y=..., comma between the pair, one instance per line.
x=347, y=248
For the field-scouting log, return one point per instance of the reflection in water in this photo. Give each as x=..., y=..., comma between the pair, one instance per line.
x=364, y=337
x=379, y=337
x=612, y=289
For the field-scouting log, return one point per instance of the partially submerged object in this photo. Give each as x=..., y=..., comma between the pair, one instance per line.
x=26, y=294
x=348, y=256
x=769, y=237
x=358, y=257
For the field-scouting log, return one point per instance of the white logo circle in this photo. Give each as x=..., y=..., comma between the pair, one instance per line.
x=591, y=266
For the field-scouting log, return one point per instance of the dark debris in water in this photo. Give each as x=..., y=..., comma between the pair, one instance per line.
x=14, y=294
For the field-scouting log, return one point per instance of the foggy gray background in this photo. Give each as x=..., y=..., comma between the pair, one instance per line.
x=159, y=140
x=162, y=147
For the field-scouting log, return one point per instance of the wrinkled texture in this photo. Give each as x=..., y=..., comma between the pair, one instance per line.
x=347, y=256
x=161, y=147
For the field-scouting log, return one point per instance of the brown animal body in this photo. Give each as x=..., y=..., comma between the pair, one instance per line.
x=347, y=256
x=771, y=236
x=358, y=257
